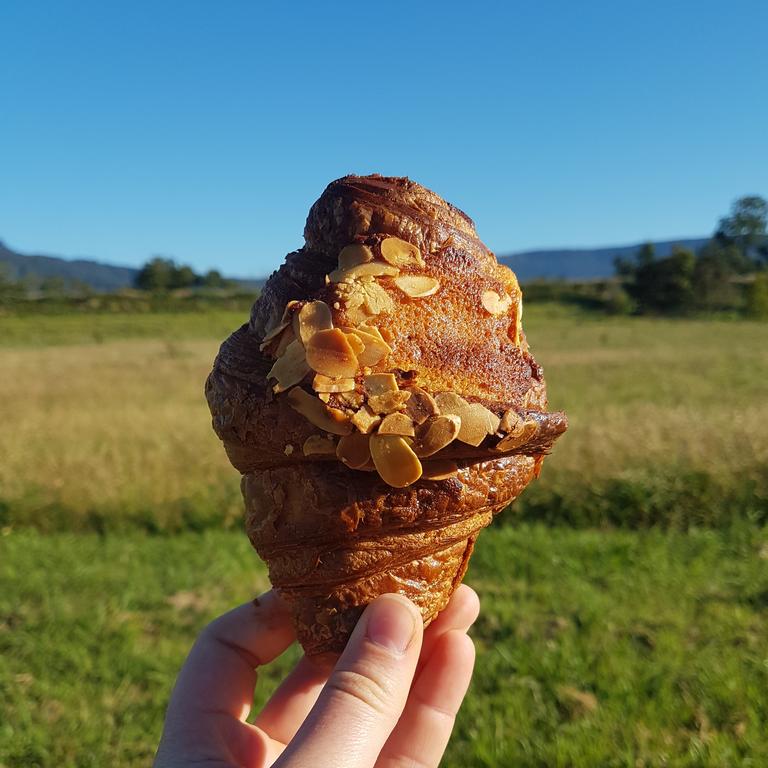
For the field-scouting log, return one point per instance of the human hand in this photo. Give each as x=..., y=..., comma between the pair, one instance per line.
x=391, y=699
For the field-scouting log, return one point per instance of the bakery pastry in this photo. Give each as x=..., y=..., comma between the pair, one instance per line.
x=381, y=404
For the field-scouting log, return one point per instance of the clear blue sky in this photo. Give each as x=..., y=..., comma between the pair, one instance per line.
x=204, y=130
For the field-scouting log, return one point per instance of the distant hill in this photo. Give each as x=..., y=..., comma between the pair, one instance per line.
x=582, y=263
x=566, y=264
x=101, y=277
x=97, y=275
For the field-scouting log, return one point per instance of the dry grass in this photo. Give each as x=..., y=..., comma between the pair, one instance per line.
x=119, y=430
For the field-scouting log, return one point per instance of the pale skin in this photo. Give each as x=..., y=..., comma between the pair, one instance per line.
x=390, y=701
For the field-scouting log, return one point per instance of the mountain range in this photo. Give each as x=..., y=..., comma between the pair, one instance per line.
x=551, y=264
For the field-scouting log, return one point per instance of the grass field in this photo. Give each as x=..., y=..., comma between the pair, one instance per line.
x=625, y=597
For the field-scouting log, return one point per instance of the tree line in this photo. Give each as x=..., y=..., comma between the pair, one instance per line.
x=714, y=277
x=161, y=274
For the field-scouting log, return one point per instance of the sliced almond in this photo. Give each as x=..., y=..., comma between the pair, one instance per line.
x=351, y=399
x=421, y=405
x=395, y=462
x=316, y=412
x=352, y=255
x=370, y=269
x=366, y=420
x=354, y=450
x=317, y=445
x=440, y=432
x=312, y=317
x=511, y=421
x=375, y=349
x=326, y=384
x=357, y=344
x=396, y=424
x=389, y=402
x=522, y=434
x=495, y=304
x=399, y=253
x=290, y=368
x=330, y=353
x=476, y=421
x=286, y=338
x=417, y=286
x=276, y=331
x=439, y=469
x=379, y=383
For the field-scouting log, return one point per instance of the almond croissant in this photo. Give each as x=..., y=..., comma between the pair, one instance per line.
x=381, y=405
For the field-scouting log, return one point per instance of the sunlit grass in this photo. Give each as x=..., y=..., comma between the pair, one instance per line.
x=117, y=432
x=612, y=648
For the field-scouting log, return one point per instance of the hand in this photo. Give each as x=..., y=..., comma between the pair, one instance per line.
x=391, y=699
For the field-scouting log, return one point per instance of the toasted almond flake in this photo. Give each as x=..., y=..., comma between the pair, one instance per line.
x=317, y=445
x=276, y=331
x=522, y=434
x=379, y=383
x=511, y=421
x=399, y=253
x=324, y=396
x=495, y=304
x=395, y=462
x=326, y=384
x=352, y=255
x=312, y=317
x=421, y=405
x=357, y=344
x=476, y=421
x=354, y=450
x=396, y=424
x=518, y=320
x=417, y=286
x=329, y=353
x=439, y=469
x=363, y=299
x=350, y=399
x=370, y=269
x=366, y=420
x=285, y=338
x=389, y=402
x=290, y=368
x=374, y=349
x=440, y=432
x=316, y=412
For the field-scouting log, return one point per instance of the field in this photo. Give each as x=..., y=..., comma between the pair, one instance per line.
x=625, y=597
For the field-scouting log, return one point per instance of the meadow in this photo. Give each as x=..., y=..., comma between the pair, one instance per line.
x=624, y=617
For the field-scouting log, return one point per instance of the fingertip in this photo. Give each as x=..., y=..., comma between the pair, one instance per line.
x=393, y=622
x=470, y=603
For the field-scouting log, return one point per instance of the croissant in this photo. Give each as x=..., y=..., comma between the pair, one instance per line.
x=381, y=404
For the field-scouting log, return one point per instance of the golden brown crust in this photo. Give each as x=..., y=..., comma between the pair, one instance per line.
x=334, y=538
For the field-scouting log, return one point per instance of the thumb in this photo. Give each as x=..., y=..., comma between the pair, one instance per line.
x=366, y=692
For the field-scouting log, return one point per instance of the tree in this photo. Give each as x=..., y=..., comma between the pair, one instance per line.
x=659, y=285
x=214, y=279
x=155, y=275
x=183, y=277
x=746, y=226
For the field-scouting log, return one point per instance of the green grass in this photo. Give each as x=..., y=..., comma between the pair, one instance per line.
x=621, y=648
x=632, y=630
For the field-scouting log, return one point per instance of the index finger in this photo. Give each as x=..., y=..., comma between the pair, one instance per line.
x=219, y=674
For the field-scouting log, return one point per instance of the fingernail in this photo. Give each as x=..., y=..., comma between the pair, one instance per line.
x=391, y=624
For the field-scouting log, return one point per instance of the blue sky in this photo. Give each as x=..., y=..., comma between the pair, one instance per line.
x=205, y=130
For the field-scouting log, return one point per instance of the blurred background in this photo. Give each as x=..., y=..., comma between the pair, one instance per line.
x=158, y=162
